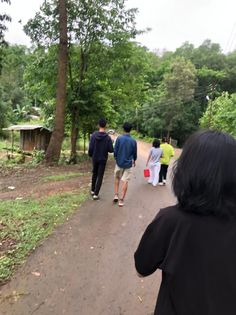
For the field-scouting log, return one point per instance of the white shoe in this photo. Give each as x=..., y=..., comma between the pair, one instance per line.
x=95, y=197
x=164, y=181
x=161, y=184
x=121, y=203
x=115, y=199
x=92, y=193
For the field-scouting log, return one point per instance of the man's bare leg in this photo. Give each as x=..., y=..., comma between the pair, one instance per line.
x=124, y=189
x=117, y=184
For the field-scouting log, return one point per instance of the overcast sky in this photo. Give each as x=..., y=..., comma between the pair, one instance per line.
x=172, y=21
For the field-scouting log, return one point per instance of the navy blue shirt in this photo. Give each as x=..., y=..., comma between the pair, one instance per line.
x=99, y=146
x=125, y=151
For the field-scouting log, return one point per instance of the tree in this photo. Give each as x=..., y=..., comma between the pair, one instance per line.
x=54, y=148
x=221, y=114
x=40, y=81
x=171, y=100
x=89, y=23
x=3, y=19
x=229, y=82
x=11, y=79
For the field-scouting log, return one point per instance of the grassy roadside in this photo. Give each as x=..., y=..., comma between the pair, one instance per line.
x=24, y=224
x=61, y=177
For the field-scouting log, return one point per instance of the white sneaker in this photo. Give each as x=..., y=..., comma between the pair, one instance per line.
x=92, y=193
x=115, y=199
x=161, y=184
x=164, y=181
x=95, y=197
x=121, y=203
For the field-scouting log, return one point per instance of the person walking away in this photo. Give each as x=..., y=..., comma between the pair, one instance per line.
x=99, y=146
x=193, y=242
x=125, y=153
x=153, y=162
x=168, y=153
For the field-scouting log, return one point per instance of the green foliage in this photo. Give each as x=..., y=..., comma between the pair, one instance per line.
x=160, y=94
x=26, y=223
x=221, y=114
x=88, y=22
x=229, y=82
x=4, y=18
x=14, y=103
x=170, y=101
x=5, y=110
x=40, y=77
x=102, y=23
x=37, y=158
x=61, y=177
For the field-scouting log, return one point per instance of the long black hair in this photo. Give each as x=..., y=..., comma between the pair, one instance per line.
x=204, y=177
x=156, y=143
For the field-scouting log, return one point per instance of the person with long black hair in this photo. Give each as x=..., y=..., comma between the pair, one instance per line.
x=153, y=161
x=194, y=241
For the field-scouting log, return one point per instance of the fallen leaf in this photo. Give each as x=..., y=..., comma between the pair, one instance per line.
x=11, y=187
x=35, y=273
x=140, y=299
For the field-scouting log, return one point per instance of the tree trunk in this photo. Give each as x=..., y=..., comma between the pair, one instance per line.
x=74, y=133
x=54, y=148
x=75, y=110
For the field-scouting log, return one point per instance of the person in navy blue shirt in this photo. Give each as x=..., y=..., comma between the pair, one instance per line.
x=99, y=146
x=125, y=153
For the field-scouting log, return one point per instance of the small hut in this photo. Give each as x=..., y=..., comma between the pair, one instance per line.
x=32, y=137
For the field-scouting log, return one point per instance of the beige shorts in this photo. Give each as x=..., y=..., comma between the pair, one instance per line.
x=123, y=173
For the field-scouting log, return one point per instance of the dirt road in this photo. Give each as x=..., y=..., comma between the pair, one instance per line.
x=86, y=267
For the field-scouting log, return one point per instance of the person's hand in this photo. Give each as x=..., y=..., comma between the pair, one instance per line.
x=139, y=275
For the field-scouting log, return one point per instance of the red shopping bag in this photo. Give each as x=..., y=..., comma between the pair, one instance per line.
x=146, y=172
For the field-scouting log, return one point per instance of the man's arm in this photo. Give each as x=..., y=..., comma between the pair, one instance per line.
x=110, y=146
x=135, y=152
x=116, y=148
x=91, y=146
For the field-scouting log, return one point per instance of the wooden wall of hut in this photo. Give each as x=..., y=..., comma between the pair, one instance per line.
x=34, y=139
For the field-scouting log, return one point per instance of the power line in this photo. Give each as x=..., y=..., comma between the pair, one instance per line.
x=231, y=38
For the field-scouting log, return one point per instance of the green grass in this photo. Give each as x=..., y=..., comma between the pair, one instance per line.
x=139, y=136
x=5, y=144
x=61, y=177
x=66, y=145
x=26, y=223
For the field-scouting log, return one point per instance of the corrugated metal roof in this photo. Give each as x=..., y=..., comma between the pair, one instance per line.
x=25, y=127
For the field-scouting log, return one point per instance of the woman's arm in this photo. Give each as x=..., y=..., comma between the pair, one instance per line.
x=149, y=156
x=154, y=245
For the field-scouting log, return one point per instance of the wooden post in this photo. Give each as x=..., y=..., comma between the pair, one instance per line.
x=12, y=142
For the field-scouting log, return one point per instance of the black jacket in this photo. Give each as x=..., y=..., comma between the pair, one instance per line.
x=99, y=146
x=197, y=256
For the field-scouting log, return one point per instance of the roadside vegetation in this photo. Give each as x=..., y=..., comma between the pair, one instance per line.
x=61, y=177
x=25, y=224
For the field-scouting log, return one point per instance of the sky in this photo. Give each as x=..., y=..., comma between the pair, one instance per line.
x=172, y=22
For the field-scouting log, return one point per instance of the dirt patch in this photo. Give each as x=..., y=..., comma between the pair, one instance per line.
x=23, y=182
x=7, y=244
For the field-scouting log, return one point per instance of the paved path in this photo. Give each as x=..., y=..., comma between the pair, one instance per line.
x=86, y=267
